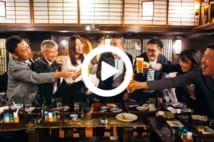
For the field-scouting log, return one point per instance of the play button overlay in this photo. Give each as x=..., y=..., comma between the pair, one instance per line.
x=107, y=71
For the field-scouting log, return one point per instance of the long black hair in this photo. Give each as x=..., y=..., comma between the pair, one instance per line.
x=192, y=54
x=72, y=49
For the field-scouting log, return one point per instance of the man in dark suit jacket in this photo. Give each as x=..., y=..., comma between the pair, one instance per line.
x=153, y=54
x=113, y=81
x=117, y=62
x=47, y=91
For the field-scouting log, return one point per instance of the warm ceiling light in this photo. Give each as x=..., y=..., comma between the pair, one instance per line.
x=64, y=42
x=197, y=6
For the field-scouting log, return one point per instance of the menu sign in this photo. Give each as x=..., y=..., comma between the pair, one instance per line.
x=2, y=8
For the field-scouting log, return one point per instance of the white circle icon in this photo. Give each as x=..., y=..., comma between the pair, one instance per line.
x=127, y=77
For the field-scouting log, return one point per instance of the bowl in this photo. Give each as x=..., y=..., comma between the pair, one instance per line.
x=30, y=109
x=16, y=106
x=74, y=116
x=104, y=121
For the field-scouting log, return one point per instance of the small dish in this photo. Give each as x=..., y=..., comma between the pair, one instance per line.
x=143, y=108
x=104, y=108
x=116, y=109
x=74, y=116
x=104, y=121
x=30, y=109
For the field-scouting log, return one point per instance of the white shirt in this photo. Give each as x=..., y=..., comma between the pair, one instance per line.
x=68, y=65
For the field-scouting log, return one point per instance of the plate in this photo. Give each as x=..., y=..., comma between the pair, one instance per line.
x=174, y=123
x=126, y=117
x=178, y=105
x=116, y=109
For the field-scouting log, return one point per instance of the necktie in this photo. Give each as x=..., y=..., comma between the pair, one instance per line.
x=150, y=75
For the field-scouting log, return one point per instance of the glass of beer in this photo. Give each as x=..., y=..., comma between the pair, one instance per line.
x=139, y=64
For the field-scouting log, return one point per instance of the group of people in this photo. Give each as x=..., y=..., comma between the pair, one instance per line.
x=196, y=78
x=42, y=80
x=51, y=75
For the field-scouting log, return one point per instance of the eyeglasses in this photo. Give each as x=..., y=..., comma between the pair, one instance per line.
x=151, y=50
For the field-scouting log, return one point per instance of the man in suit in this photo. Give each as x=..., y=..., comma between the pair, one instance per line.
x=114, y=81
x=47, y=92
x=153, y=54
x=22, y=81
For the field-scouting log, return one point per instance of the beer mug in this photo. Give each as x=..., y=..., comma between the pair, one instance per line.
x=139, y=64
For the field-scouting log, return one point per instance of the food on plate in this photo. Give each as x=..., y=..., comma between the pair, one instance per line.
x=122, y=116
x=111, y=105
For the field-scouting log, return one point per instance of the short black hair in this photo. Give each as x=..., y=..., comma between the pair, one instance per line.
x=12, y=42
x=211, y=45
x=155, y=41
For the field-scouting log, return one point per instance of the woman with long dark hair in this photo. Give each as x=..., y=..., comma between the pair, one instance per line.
x=73, y=89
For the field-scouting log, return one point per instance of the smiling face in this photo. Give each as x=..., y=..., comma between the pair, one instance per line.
x=117, y=42
x=51, y=54
x=153, y=51
x=79, y=46
x=23, y=51
x=186, y=66
x=208, y=63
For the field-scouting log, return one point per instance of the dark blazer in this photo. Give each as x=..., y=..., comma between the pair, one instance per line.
x=108, y=58
x=203, y=83
x=182, y=93
x=143, y=77
x=45, y=90
x=158, y=74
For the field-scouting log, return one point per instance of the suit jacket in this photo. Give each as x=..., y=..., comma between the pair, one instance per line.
x=203, y=83
x=182, y=93
x=45, y=90
x=23, y=82
x=108, y=58
x=179, y=90
x=158, y=74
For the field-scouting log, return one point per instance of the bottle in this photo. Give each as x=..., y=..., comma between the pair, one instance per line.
x=6, y=118
x=54, y=116
x=10, y=118
x=15, y=117
x=189, y=137
x=184, y=134
x=50, y=117
x=46, y=116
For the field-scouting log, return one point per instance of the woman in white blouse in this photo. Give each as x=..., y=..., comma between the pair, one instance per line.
x=73, y=89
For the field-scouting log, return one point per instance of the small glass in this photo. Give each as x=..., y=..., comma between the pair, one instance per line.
x=58, y=102
x=76, y=106
x=129, y=89
x=28, y=103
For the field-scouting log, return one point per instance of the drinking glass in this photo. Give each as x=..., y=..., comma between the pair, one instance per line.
x=139, y=64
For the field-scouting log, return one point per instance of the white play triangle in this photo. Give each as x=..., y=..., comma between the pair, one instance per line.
x=107, y=71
